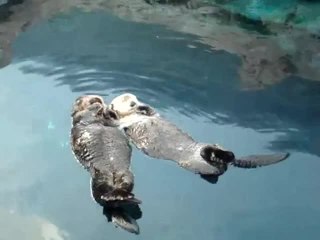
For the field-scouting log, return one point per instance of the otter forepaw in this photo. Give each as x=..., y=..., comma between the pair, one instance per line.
x=146, y=110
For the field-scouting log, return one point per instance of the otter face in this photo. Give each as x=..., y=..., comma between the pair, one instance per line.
x=128, y=103
x=92, y=109
x=83, y=102
x=93, y=113
x=87, y=109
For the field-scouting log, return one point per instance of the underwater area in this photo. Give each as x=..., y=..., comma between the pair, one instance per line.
x=243, y=74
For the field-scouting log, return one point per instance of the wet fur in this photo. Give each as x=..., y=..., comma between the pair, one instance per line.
x=158, y=138
x=106, y=154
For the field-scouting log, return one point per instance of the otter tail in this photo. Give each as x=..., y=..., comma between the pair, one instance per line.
x=124, y=218
x=254, y=161
x=120, y=197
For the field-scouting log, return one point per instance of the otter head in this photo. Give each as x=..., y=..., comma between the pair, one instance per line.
x=83, y=102
x=88, y=109
x=127, y=104
x=92, y=114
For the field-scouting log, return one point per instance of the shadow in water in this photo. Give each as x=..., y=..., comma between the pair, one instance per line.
x=5, y=11
x=160, y=67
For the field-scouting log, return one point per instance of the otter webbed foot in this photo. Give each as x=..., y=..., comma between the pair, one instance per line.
x=133, y=210
x=203, y=168
x=215, y=154
x=213, y=179
x=124, y=218
x=254, y=161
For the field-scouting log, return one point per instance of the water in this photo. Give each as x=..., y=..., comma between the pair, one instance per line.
x=45, y=193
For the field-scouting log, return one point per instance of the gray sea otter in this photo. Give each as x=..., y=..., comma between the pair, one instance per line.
x=104, y=151
x=158, y=138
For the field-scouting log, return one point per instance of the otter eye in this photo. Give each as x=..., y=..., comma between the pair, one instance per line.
x=132, y=104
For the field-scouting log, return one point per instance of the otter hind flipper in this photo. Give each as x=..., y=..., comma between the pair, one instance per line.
x=213, y=179
x=120, y=217
x=213, y=154
x=120, y=196
x=254, y=161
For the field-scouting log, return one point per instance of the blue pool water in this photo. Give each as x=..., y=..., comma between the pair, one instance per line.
x=44, y=193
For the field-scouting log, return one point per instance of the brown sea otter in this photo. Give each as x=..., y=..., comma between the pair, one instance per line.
x=104, y=151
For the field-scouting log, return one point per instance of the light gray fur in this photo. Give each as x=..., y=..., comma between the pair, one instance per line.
x=161, y=139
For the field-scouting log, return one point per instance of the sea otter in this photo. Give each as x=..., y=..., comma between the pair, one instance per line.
x=104, y=151
x=161, y=139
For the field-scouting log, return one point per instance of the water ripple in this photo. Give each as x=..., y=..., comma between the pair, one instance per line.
x=166, y=73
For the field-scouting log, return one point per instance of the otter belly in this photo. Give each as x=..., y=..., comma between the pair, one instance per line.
x=159, y=138
x=105, y=152
x=102, y=147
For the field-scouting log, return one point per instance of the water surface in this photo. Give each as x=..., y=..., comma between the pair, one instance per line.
x=188, y=83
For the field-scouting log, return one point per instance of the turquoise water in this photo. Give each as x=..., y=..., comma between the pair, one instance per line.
x=45, y=193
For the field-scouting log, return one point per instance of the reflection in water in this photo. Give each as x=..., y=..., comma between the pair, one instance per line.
x=270, y=51
x=28, y=227
x=191, y=85
x=174, y=81
x=5, y=11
